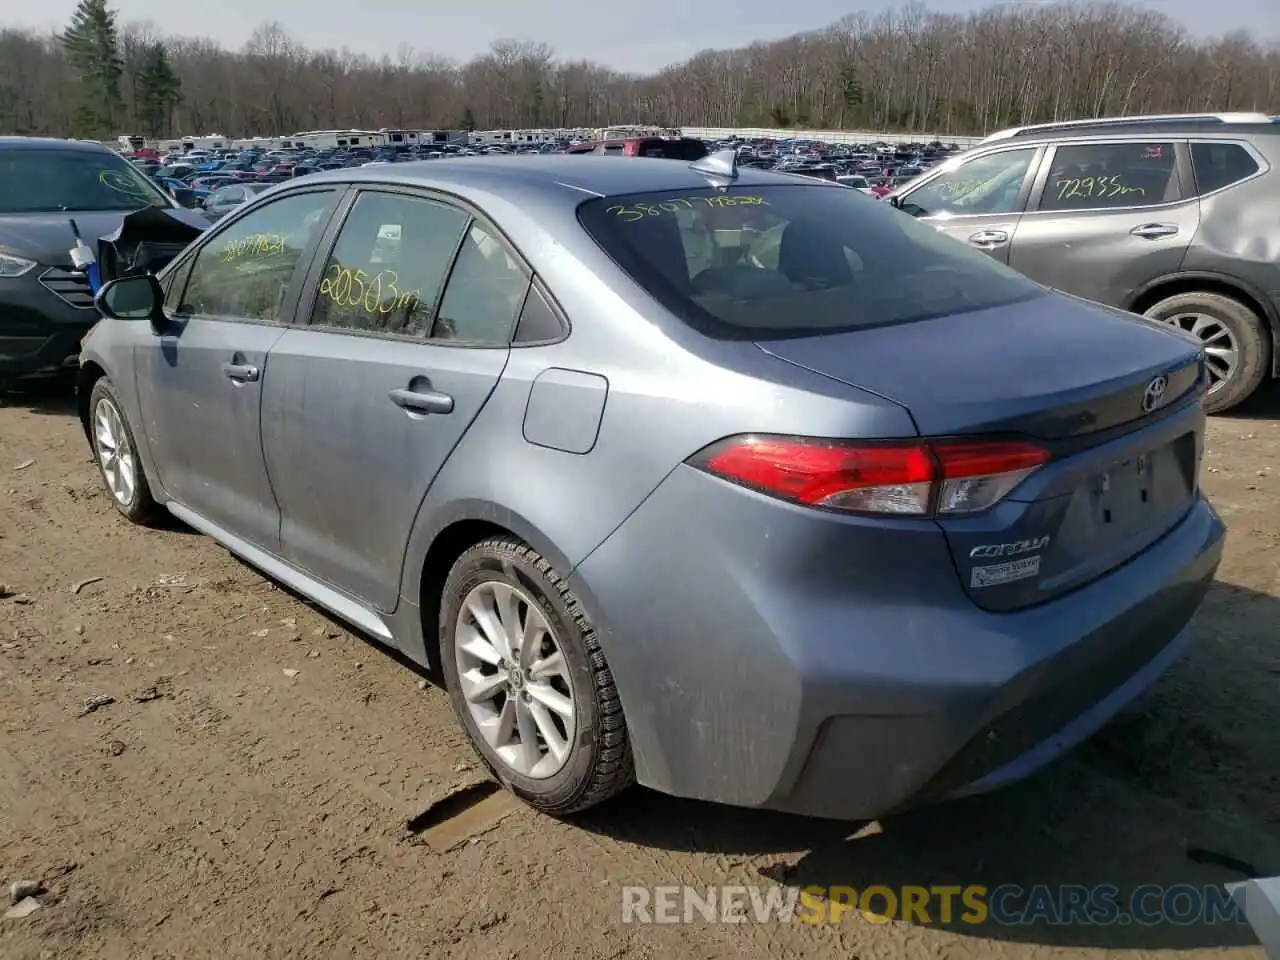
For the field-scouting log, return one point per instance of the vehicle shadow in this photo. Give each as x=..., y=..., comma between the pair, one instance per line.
x=1178, y=790
x=57, y=398
x=1263, y=405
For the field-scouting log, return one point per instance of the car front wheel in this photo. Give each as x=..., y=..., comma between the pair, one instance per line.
x=116, y=454
x=1236, y=344
x=528, y=680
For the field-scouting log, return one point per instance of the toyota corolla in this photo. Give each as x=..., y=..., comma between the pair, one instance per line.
x=743, y=486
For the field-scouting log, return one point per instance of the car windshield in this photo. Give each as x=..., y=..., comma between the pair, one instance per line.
x=776, y=261
x=47, y=181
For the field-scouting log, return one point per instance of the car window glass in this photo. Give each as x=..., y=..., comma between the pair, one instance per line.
x=245, y=270
x=785, y=260
x=1093, y=176
x=988, y=184
x=1219, y=165
x=538, y=321
x=229, y=195
x=385, y=271
x=485, y=290
x=176, y=285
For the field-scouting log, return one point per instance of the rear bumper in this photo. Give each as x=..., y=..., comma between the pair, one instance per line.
x=39, y=331
x=833, y=667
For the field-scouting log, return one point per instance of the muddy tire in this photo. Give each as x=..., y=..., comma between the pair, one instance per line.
x=528, y=680
x=1236, y=342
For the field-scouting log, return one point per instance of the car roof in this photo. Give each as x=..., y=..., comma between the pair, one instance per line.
x=548, y=175
x=52, y=143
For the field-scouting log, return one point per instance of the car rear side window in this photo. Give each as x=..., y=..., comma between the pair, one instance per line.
x=1100, y=176
x=793, y=260
x=1219, y=165
x=385, y=271
x=485, y=291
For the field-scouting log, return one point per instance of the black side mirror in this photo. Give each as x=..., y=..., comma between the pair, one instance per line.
x=133, y=298
x=187, y=198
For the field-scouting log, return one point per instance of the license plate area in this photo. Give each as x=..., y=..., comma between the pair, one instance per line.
x=1131, y=493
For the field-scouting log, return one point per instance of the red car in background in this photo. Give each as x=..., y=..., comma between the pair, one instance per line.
x=669, y=148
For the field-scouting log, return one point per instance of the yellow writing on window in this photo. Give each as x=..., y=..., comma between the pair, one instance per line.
x=377, y=293
x=656, y=208
x=256, y=247
x=122, y=183
x=954, y=189
x=1095, y=188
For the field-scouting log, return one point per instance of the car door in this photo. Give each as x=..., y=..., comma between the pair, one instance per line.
x=979, y=199
x=1107, y=217
x=366, y=403
x=200, y=381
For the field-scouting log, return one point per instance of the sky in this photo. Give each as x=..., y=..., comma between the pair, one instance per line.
x=632, y=35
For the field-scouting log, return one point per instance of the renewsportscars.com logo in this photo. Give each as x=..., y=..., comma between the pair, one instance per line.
x=1006, y=905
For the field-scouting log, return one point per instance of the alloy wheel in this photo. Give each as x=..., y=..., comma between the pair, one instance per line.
x=515, y=680
x=1221, y=352
x=116, y=457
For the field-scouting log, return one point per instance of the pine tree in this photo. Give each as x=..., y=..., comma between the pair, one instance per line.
x=92, y=45
x=159, y=90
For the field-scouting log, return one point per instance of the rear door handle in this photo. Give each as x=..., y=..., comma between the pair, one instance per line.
x=241, y=372
x=1154, y=231
x=422, y=401
x=989, y=238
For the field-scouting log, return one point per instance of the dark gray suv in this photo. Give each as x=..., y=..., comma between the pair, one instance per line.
x=1173, y=217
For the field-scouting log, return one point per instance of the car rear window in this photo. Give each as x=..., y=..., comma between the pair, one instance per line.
x=682, y=149
x=794, y=260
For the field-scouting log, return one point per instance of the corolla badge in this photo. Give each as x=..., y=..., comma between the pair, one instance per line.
x=1013, y=549
x=1153, y=396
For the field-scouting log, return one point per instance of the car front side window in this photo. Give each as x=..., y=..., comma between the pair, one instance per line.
x=245, y=270
x=989, y=184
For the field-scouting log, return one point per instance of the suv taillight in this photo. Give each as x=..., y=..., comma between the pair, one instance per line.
x=903, y=478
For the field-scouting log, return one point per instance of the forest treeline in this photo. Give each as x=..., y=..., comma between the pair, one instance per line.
x=910, y=70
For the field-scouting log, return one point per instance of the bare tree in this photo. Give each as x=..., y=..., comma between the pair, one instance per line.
x=909, y=69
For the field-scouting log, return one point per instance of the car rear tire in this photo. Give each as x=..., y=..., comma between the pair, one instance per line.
x=1236, y=342
x=116, y=454
x=529, y=682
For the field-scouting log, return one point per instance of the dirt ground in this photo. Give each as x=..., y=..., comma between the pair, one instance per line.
x=221, y=807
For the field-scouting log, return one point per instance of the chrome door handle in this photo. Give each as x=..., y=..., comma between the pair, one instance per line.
x=241, y=372
x=1154, y=231
x=989, y=238
x=422, y=401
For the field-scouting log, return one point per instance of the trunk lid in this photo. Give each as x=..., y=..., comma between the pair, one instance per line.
x=1081, y=379
x=1052, y=367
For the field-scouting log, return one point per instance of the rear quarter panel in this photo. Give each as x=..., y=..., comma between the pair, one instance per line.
x=1239, y=236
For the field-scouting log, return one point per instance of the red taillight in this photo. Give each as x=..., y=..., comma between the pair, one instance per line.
x=912, y=478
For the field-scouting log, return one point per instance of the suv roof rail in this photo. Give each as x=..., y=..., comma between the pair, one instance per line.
x=1139, y=119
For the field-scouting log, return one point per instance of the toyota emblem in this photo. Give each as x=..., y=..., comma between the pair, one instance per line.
x=1153, y=396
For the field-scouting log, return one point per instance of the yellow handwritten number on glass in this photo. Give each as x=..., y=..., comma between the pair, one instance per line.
x=378, y=293
x=640, y=211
